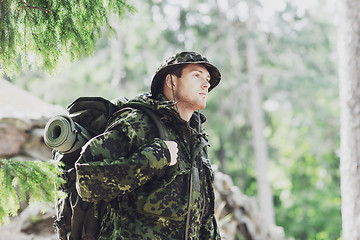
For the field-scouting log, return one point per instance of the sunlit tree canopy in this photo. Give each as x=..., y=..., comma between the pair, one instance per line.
x=52, y=31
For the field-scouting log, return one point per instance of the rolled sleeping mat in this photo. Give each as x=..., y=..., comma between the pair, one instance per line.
x=65, y=135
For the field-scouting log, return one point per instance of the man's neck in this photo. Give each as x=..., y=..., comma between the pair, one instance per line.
x=185, y=114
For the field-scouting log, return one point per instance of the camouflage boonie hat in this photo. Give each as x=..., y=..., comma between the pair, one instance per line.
x=179, y=59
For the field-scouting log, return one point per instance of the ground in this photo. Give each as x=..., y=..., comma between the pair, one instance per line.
x=41, y=231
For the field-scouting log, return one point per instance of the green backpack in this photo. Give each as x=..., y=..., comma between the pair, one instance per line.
x=88, y=117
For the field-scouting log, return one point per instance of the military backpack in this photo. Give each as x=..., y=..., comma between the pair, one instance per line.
x=88, y=116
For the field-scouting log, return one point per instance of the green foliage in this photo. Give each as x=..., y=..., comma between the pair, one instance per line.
x=46, y=33
x=304, y=135
x=32, y=181
x=121, y=66
x=303, y=205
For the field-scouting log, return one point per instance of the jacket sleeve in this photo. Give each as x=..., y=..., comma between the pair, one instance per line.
x=118, y=161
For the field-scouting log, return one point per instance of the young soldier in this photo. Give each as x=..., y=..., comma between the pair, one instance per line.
x=154, y=188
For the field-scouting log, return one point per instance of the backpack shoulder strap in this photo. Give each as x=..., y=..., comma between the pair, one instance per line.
x=163, y=132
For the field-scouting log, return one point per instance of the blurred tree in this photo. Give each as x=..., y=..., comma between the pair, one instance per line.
x=44, y=33
x=349, y=72
x=302, y=104
x=256, y=110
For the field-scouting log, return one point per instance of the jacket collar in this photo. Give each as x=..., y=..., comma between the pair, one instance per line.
x=167, y=110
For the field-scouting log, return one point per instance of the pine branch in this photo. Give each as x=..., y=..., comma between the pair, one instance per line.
x=32, y=7
x=52, y=32
x=33, y=181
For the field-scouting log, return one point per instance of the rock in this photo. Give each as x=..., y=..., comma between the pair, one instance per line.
x=22, y=120
x=16, y=103
x=11, y=139
x=37, y=220
x=235, y=210
x=35, y=146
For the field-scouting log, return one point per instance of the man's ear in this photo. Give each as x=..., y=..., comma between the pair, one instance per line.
x=168, y=82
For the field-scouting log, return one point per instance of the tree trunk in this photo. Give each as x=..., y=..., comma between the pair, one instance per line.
x=349, y=79
x=258, y=122
x=221, y=155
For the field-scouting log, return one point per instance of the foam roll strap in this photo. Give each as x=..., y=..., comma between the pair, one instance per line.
x=64, y=135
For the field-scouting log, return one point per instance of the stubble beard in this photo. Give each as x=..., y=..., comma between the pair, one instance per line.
x=189, y=103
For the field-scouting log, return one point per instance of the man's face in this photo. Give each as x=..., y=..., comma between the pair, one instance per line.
x=191, y=89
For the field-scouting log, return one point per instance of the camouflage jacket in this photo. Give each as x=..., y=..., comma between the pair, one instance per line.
x=127, y=167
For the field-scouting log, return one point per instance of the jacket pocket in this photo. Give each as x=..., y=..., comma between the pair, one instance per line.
x=169, y=197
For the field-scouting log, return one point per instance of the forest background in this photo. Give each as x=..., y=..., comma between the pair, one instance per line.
x=297, y=75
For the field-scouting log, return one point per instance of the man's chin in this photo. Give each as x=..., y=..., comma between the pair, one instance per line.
x=201, y=107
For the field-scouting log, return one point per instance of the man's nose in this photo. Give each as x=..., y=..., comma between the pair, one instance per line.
x=206, y=84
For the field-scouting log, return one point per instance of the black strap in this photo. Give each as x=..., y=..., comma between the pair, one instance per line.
x=163, y=132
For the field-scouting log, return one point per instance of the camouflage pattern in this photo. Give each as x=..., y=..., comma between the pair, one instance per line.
x=127, y=167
